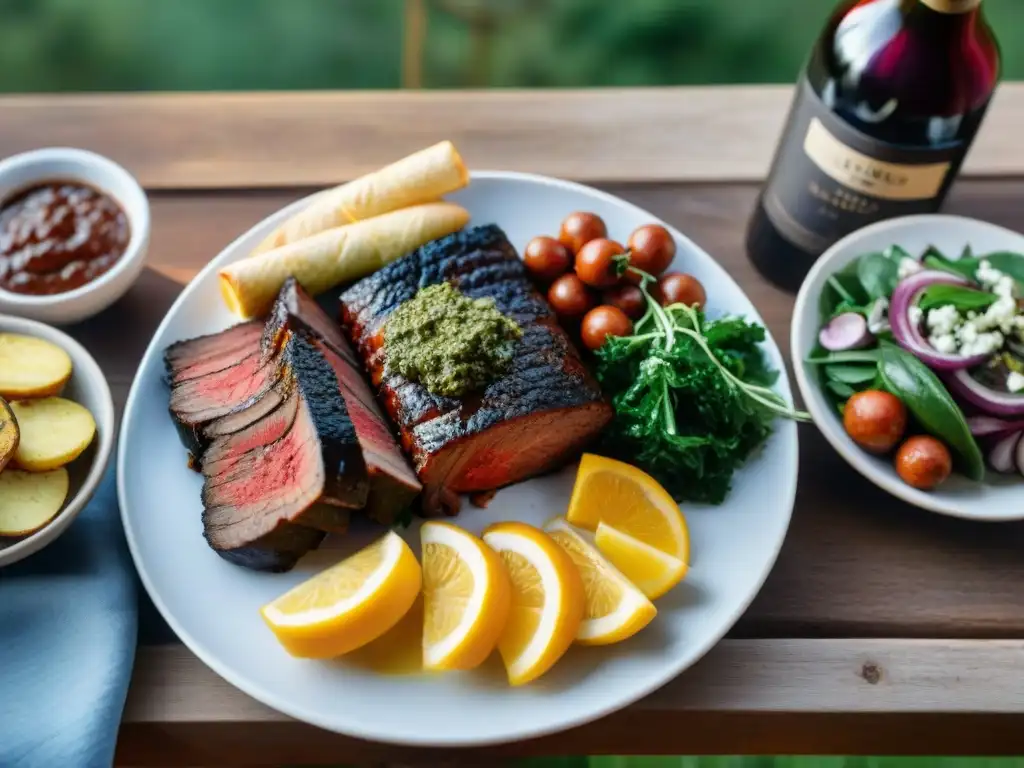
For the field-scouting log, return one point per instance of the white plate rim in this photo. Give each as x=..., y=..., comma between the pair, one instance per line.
x=381, y=735
x=814, y=401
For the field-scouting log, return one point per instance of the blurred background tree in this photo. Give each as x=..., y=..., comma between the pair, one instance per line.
x=129, y=45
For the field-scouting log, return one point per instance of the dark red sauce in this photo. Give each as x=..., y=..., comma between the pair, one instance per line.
x=58, y=236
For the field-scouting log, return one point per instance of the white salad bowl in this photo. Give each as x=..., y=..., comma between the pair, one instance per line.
x=87, y=387
x=997, y=497
x=28, y=169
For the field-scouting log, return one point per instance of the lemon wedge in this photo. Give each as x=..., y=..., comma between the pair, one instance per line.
x=547, y=600
x=652, y=571
x=466, y=595
x=615, y=609
x=349, y=604
x=630, y=500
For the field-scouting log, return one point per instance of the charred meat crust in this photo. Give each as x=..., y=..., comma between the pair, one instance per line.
x=452, y=440
x=295, y=365
x=274, y=474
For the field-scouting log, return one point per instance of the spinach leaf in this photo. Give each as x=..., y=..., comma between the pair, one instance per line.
x=851, y=374
x=849, y=356
x=964, y=299
x=897, y=253
x=931, y=404
x=963, y=267
x=844, y=391
x=843, y=292
x=1007, y=262
x=932, y=251
x=878, y=274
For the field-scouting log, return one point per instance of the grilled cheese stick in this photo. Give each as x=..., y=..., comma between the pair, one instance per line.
x=421, y=177
x=336, y=255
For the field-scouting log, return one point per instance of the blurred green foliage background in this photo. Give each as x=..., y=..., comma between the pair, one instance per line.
x=128, y=45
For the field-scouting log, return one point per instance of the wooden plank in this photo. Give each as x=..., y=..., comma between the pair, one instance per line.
x=245, y=140
x=856, y=562
x=746, y=696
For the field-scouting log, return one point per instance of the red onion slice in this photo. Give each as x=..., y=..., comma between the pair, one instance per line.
x=1004, y=455
x=991, y=401
x=988, y=426
x=846, y=331
x=909, y=335
x=1020, y=455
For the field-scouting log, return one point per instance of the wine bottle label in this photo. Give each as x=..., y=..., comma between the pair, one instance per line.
x=952, y=6
x=829, y=179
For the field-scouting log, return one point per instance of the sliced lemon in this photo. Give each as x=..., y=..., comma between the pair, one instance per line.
x=630, y=500
x=547, y=600
x=652, y=571
x=615, y=608
x=466, y=594
x=349, y=604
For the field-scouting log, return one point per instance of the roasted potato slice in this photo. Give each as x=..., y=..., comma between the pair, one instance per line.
x=54, y=432
x=31, y=367
x=9, y=433
x=29, y=500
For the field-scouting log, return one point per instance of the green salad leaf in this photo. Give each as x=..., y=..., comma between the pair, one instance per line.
x=931, y=404
x=878, y=274
x=692, y=398
x=1007, y=262
x=963, y=298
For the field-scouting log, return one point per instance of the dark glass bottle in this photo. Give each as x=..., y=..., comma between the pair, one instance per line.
x=887, y=107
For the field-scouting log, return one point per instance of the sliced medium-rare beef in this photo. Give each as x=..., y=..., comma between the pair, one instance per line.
x=196, y=402
x=217, y=378
x=266, y=483
x=183, y=354
x=530, y=420
x=296, y=310
x=249, y=370
x=393, y=484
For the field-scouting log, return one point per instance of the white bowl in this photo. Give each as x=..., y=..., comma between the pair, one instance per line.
x=89, y=388
x=63, y=164
x=998, y=497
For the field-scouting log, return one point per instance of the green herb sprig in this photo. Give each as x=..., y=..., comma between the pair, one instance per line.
x=693, y=398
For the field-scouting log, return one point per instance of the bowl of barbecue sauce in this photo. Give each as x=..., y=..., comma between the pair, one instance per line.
x=74, y=231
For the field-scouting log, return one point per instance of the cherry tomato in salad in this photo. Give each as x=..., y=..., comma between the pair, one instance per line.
x=875, y=420
x=628, y=298
x=680, y=288
x=651, y=249
x=596, y=263
x=580, y=228
x=569, y=297
x=602, y=322
x=546, y=258
x=923, y=462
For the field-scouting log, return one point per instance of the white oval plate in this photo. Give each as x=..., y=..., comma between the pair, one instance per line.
x=214, y=606
x=999, y=497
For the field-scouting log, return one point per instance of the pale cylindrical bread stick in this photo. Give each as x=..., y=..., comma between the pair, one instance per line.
x=422, y=177
x=335, y=256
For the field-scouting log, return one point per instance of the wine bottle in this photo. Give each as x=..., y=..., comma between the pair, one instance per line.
x=884, y=113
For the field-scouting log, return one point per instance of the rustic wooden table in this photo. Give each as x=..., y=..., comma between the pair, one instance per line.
x=882, y=630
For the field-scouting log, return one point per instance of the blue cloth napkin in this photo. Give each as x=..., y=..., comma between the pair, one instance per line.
x=68, y=624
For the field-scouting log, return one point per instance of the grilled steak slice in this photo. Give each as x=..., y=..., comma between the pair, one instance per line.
x=196, y=402
x=216, y=378
x=529, y=421
x=183, y=354
x=393, y=484
x=296, y=310
x=265, y=484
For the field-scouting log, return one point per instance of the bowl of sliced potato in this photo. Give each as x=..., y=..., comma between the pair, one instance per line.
x=56, y=434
